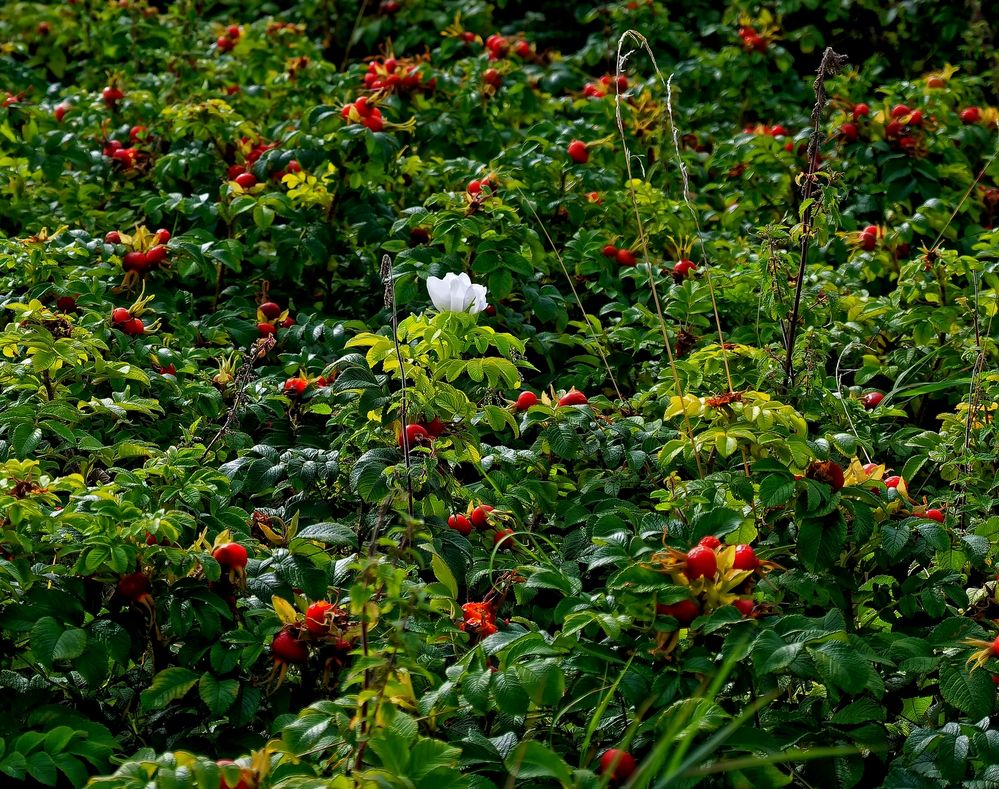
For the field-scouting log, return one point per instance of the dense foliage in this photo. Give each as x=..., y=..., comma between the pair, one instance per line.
x=271, y=517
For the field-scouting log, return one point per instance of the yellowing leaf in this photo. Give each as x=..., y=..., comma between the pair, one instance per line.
x=286, y=611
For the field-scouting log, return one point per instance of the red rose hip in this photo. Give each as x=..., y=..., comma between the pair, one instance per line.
x=745, y=558
x=526, y=400
x=460, y=524
x=480, y=516
x=617, y=764
x=288, y=648
x=701, y=563
x=578, y=152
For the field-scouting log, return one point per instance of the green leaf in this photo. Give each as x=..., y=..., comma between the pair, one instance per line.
x=840, y=665
x=329, y=534
x=532, y=759
x=218, y=694
x=894, y=538
x=263, y=217
x=41, y=767
x=821, y=540
x=367, y=477
x=859, y=711
x=475, y=689
x=169, y=685
x=51, y=642
x=443, y=574
x=776, y=490
x=24, y=439
x=544, y=578
x=972, y=692
x=564, y=441
x=434, y=759
x=508, y=693
x=393, y=750
x=543, y=680
x=845, y=443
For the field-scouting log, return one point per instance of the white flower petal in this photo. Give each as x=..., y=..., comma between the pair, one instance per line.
x=456, y=293
x=438, y=290
x=479, y=302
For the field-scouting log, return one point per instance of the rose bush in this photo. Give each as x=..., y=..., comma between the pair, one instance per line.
x=413, y=394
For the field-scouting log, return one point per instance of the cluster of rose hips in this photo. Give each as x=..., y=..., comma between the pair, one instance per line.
x=573, y=397
x=624, y=257
x=497, y=46
x=683, y=268
x=146, y=253
x=364, y=112
x=971, y=115
x=122, y=319
x=232, y=557
x=391, y=74
x=295, y=387
x=247, y=776
x=128, y=321
x=323, y=620
x=226, y=42
x=618, y=765
x=606, y=85
x=902, y=127
x=872, y=400
x=135, y=588
x=252, y=151
x=752, y=41
x=898, y=484
x=296, y=65
x=326, y=625
x=270, y=317
x=493, y=78
x=474, y=187
x=422, y=433
x=867, y=239
x=126, y=157
x=850, y=131
x=764, y=129
x=479, y=518
x=524, y=401
x=702, y=562
x=277, y=28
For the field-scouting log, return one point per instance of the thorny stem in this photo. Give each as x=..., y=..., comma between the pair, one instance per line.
x=830, y=66
x=243, y=377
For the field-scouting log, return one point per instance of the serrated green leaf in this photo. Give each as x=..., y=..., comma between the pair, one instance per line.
x=217, y=694
x=169, y=685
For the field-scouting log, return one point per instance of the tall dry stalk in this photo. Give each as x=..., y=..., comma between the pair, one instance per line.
x=829, y=67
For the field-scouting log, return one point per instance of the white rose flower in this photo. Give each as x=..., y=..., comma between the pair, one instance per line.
x=456, y=293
